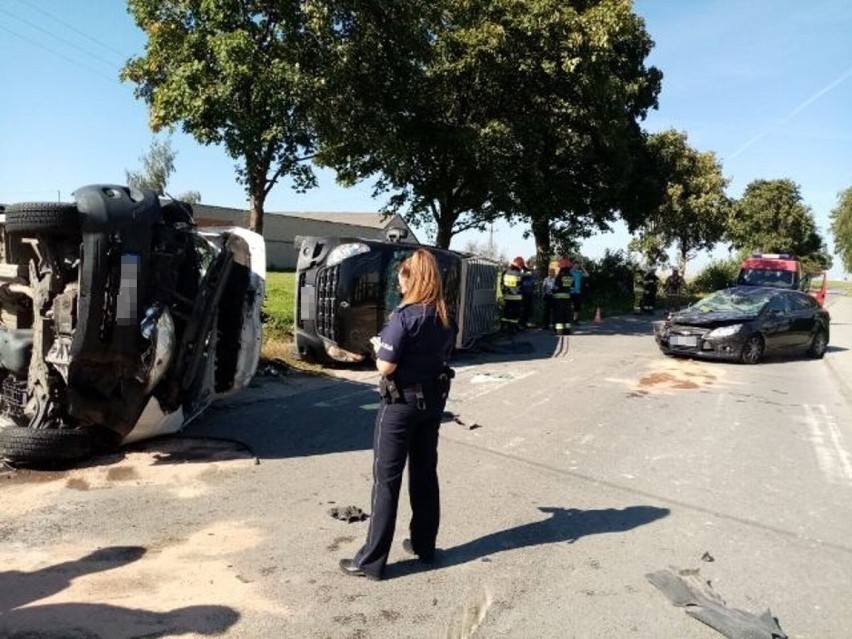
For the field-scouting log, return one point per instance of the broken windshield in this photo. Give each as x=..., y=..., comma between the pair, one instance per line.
x=733, y=301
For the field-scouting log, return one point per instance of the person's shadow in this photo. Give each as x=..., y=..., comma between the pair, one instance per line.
x=89, y=620
x=564, y=525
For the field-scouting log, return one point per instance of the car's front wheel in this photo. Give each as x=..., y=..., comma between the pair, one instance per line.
x=819, y=344
x=753, y=349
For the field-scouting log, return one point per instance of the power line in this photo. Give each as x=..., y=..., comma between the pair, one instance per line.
x=57, y=54
x=60, y=38
x=72, y=27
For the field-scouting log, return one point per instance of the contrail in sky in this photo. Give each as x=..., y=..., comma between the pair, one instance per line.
x=816, y=96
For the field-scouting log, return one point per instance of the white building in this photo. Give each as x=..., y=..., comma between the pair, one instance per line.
x=280, y=229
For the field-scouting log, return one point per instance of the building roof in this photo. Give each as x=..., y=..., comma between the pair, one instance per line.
x=208, y=215
x=371, y=220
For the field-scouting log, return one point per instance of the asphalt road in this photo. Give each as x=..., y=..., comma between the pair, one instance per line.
x=569, y=471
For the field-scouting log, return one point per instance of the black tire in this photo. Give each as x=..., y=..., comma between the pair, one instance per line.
x=44, y=445
x=753, y=349
x=819, y=344
x=48, y=218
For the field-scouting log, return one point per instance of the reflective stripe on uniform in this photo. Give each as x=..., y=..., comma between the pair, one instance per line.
x=512, y=297
x=511, y=281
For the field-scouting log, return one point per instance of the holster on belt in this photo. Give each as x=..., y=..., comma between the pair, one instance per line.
x=389, y=390
x=445, y=381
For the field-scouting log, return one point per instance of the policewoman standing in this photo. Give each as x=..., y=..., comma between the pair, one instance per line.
x=411, y=355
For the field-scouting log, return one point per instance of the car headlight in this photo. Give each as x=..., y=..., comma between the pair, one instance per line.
x=725, y=331
x=340, y=253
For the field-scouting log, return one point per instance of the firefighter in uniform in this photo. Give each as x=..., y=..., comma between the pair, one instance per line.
x=513, y=299
x=649, y=291
x=563, y=284
x=411, y=353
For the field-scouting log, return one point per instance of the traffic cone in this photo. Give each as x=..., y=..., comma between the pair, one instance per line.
x=598, y=319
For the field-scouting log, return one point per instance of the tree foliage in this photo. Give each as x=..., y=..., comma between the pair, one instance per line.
x=578, y=89
x=158, y=164
x=236, y=74
x=841, y=228
x=464, y=111
x=692, y=209
x=771, y=217
x=412, y=100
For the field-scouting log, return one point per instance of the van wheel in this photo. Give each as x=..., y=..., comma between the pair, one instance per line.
x=44, y=445
x=819, y=344
x=54, y=218
x=752, y=351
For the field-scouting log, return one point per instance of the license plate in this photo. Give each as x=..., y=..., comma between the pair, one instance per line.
x=307, y=297
x=683, y=340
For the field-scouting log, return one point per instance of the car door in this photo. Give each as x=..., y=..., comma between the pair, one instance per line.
x=776, y=322
x=803, y=310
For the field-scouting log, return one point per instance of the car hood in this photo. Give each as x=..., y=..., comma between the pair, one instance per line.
x=714, y=318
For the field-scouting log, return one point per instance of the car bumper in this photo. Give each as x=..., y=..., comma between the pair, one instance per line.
x=726, y=348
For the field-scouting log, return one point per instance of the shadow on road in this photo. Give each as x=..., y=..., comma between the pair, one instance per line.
x=335, y=417
x=534, y=344
x=564, y=525
x=85, y=621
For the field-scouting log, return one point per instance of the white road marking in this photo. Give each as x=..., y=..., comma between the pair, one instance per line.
x=832, y=455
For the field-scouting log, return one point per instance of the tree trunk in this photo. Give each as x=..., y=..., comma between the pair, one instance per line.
x=445, y=221
x=256, y=213
x=682, y=261
x=541, y=233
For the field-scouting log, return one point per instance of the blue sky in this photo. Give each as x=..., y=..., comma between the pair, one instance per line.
x=765, y=84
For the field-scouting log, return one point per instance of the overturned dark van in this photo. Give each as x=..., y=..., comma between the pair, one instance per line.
x=347, y=287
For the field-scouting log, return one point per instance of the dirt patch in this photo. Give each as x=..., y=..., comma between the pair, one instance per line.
x=671, y=375
x=200, y=570
x=164, y=463
x=667, y=379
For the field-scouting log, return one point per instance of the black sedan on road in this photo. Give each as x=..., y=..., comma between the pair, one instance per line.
x=744, y=323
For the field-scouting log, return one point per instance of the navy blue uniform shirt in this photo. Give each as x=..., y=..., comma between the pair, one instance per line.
x=415, y=340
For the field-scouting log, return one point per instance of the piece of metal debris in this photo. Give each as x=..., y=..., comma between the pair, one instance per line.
x=697, y=597
x=471, y=426
x=707, y=557
x=348, y=514
x=273, y=368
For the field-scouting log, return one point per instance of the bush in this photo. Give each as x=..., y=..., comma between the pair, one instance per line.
x=610, y=282
x=718, y=274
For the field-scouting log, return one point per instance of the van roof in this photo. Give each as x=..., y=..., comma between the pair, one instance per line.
x=765, y=262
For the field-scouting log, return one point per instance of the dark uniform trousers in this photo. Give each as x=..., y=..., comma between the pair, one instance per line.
x=404, y=431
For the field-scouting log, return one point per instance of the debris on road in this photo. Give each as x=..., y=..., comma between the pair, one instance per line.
x=273, y=368
x=707, y=557
x=450, y=417
x=701, y=602
x=348, y=514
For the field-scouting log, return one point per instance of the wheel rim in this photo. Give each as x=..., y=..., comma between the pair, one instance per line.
x=752, y=350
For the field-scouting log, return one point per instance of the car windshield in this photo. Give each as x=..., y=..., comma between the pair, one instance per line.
x=766, y=277
x=732, y=301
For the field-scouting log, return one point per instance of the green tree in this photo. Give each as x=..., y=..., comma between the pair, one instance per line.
x=692, y=209
x=771, y=217
x=578, y=86
x=411, y=99
x=841, y=228
x=157, y=167
x=466, y=111
x=235, y=74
